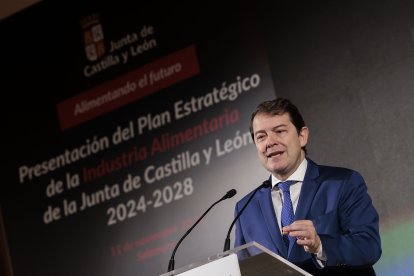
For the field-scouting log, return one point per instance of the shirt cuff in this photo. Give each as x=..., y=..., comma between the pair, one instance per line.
x=320, y=256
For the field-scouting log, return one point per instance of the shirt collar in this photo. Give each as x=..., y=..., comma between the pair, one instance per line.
x=297, y=175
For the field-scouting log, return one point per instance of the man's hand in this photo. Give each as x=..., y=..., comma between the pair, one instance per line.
x=305, y=233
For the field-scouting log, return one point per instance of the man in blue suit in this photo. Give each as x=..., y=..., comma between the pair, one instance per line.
x=335, y=227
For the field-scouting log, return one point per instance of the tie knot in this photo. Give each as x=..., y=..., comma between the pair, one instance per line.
x=285, y=185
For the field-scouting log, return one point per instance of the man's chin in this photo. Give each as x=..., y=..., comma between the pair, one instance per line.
x=277, y=170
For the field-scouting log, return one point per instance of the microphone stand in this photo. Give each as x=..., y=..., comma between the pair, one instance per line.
x=171, y=263
x=265, y=184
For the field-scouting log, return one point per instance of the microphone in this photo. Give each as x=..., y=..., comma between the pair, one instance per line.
x=171, y=264
x=265, y=184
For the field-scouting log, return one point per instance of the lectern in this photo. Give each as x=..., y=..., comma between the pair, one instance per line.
x=251, y=259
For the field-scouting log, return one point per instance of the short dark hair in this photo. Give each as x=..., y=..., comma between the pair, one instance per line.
x=279, y=106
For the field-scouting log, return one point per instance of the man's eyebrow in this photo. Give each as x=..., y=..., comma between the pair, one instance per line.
x=275, y=127
x=281, y=125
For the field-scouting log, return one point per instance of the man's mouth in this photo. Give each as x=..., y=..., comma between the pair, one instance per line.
x=274, y=154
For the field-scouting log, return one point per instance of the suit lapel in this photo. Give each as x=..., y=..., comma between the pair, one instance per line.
x=266, y=206
x=308, y=191
x=309, y=188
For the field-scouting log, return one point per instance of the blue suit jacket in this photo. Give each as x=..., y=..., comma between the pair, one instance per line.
x=337, y=202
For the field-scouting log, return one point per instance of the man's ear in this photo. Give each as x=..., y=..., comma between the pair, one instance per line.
x=303, y=136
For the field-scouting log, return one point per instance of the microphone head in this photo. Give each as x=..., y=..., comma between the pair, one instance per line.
x=266, y=184
x=230, y=194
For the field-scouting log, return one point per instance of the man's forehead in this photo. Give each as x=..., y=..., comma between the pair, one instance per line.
x=272, y=121
x=273, y=117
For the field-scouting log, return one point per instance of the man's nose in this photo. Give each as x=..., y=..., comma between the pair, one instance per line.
x=272, y=140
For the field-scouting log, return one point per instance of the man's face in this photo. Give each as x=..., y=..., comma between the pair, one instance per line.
x=279, y=146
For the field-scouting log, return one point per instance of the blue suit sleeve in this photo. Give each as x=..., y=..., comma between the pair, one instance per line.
x=355, y=241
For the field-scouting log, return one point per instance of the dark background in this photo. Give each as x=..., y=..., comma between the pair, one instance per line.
x=347, y=65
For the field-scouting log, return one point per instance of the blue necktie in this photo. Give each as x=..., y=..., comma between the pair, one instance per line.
x=287, y=209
